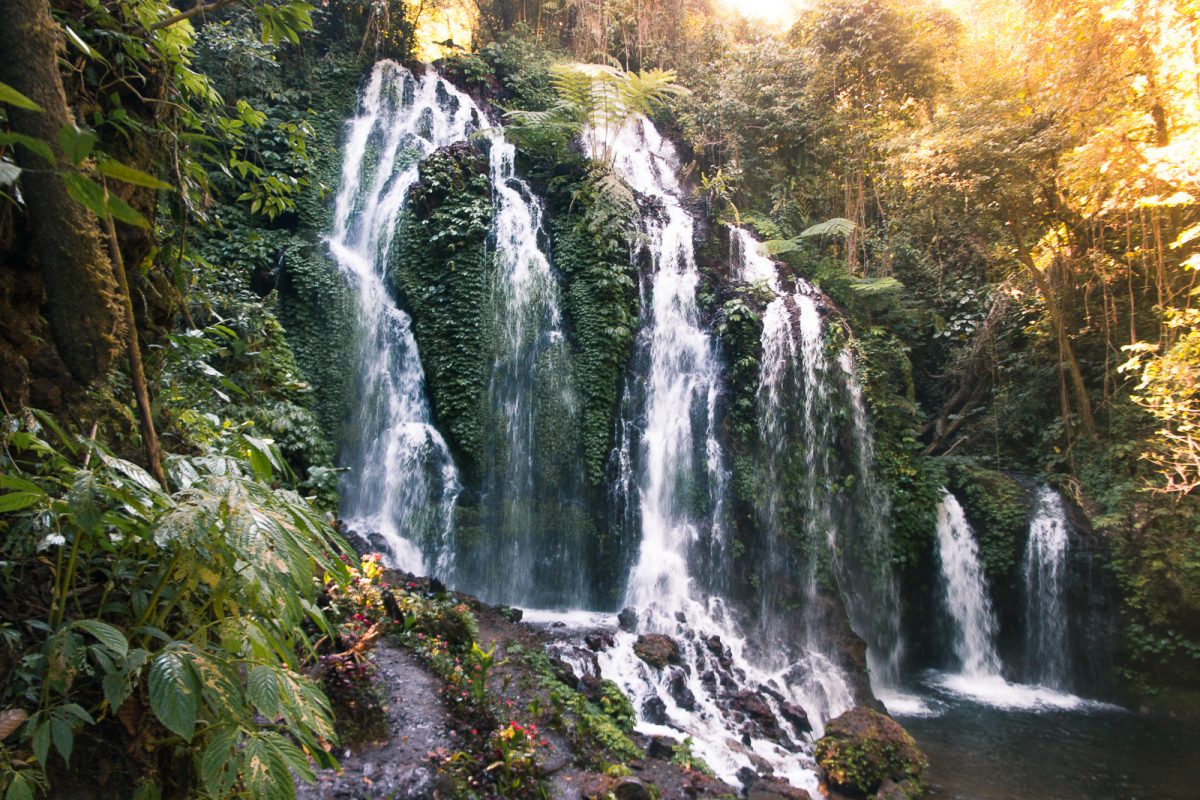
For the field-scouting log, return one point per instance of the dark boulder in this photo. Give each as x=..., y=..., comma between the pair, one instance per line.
x=564, y=672
x=796, y=715
x=628, y=620
x=599, y=641
x=678, y=687
x=654, y=710
x=657, y=650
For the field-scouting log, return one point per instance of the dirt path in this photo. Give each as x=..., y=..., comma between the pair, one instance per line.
x=417, y=724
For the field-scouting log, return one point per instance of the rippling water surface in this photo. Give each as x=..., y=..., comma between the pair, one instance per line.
x=1056, y=750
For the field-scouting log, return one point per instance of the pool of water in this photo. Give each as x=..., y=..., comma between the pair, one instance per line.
x=1022, y=743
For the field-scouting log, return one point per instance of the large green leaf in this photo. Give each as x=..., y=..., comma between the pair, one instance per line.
x=264, y=692
x=14, y=98
x=175, y=692
x=76, y=142
x=15, y=501
x=108, y=636
x=127, y=174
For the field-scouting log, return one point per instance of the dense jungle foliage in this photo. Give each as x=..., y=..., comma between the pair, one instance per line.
x=1001, y=197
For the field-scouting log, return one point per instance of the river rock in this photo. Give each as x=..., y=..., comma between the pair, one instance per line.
x=599, y=641
x=628, y=620
x=632, y=789
x=678, y=687
x=796, y=715
x=862, y=750
x=657, y=649
x=662, y=747
x=775, y=789
x=564, y=672
x=654, y=710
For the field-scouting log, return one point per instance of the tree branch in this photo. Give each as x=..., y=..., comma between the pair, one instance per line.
x=191, y=12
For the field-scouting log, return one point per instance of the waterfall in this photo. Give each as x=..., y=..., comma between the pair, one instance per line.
x=401, y=480
x=1044, y=570
x=965, y=592
x=521, y=560
x=797, y=390
x=678, y=471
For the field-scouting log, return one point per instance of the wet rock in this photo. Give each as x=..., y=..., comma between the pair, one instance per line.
x=715, y=646
x=564, y=672
x=709, y=679
x=632, y=789
x=747, y=776
x=680, y=617
x=863, y=749
x=509, y=613
x=654, y=710
x=628, y=620
x=661, y=747
x=753, y=706
x=657, y=650
x=909, y=789
x=591, y=687
x=599, y=641
x=796, y=715
x=775, y=789
x=679, y=690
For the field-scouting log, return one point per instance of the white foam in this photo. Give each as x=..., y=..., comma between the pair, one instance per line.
x=993, y=690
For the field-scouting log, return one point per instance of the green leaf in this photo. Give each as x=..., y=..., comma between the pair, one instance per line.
x=126, y=174
x=14, y=501
x=124, y=212
x=64, y=737
x=14, y=98
x=87, y=193
x=21, y=788
x=83, y=46
x=76, y=142
x=264, y=692
x=838, y=226
x=175, y=693
x=219, y=764
x=108, y=635
x=38, y=147
x=41, y=742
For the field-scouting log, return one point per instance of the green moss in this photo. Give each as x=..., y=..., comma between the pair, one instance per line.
x=601, y=307
x=439, y=267
x=862, y=749
x=997, y=506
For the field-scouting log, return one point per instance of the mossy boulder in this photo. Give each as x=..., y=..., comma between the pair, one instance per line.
x=868, y=754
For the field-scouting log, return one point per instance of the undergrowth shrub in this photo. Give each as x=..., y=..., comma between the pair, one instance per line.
x=177, y=623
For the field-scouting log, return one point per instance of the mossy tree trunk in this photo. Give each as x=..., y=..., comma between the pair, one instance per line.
x=81, y=290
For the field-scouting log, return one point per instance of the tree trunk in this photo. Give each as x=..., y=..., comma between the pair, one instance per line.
x=1083, y=402
x=81, y=291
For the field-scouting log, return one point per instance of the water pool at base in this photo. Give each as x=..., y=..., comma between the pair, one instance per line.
x=985, y=752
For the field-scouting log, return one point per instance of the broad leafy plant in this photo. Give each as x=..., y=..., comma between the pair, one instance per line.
x=181, y=622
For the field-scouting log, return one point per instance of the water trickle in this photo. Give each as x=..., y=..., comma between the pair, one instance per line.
x=401, y=481
x=1046, y=617
x=965, y=592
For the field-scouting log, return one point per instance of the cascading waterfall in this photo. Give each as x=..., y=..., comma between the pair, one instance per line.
x=1046, y=618
x=672, y=481
x=965, y=592
x=401, y=480
x=530, y=380
x=796, y=375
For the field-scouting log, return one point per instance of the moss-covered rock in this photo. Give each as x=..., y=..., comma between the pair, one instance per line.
x=440, y=267
x=997, y=506
x=865, y=753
